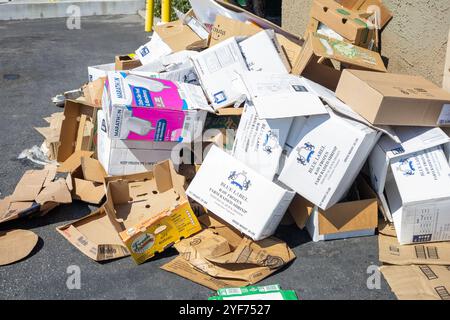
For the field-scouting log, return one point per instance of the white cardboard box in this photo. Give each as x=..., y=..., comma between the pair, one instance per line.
x=99, y=71
x=218, y=67
x=121, y=157
x=153, y=50
x=239, y=195
x=328, y=155
x=412, y=180
x=262, y=52
x=259, y=143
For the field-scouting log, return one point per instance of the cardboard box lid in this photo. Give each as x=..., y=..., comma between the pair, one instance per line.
x=177, y=35
x=16, y=245
x=95, y=236
x=418, y=282
x=342, y=217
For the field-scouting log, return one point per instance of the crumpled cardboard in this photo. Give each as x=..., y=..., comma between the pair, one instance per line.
x=95, y=236
x=391, y=252
x=37, y=191
x=221, y=257
x=93, y=91
x=418, y=282
x=86, y=176
x=16, y=245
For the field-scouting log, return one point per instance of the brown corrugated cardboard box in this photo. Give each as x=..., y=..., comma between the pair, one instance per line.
x=320, y=54
x=364, y=6
x=394, y=99
x=343, y=218
x=127, y=62
x=177, y=35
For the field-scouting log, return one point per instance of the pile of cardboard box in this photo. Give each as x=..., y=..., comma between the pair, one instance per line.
x=323, y=133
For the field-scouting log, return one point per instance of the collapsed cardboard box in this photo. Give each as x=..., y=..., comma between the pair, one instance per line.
x=394, y=99
x=86, y=175
x=77, y=128
x=126, y=62
x=411, y=180
x=95, y=236
x=320, y=55
x=220, y=257
x=321, y=165
x=122, y=157
x=418, y=282
x=145, y=109
x=232, y=190
x=150, y=211
x=357, y=216
x=37, y=192
x=348, y=23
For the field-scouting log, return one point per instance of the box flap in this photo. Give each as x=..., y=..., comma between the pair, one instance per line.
x=346, y=53
x=57, y=191
x=176, y=35
x=88, y=191
x=92, y=170
x=73, y=162
x=300, y=210
x=29, y=185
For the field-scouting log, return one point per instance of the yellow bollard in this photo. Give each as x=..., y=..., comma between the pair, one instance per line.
x=165, y=11
x=149, y=16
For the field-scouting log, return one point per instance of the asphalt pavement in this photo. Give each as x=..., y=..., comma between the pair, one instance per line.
x=41, y=58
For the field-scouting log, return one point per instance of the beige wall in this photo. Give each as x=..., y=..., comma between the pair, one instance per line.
x=415, y=40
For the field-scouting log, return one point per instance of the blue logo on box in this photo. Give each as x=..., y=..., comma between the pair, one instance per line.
x=220, y=97
x=305, y=153
x=239, y=180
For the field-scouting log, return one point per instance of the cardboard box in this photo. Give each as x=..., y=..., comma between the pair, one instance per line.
x=262, y=52
x=327, y=156
x=99, y=71
x=87, y=176
x=177, y=35
x=369, y=6
x=153, y=50
x=356, y=216
x=52, y=133
x=95, y=236
x=126, y=62
x=220, y=257
x=232, y=191
x=320, y=54
x=418, y=282
x=344, y=21
x=217, y=68
x=259, y=143
x=150, y=211
x=122, y=157
x=394, y=99
x=411, y=180
x=77, y=128
x=93, y=92
x=145, y=109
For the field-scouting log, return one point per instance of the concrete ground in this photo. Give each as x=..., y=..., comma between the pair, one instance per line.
x=41, y=58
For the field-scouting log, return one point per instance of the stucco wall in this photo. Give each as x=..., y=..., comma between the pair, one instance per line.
x=415, y=40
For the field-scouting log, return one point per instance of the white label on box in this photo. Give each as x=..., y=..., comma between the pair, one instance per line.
x=218, y=68
x=259, y=143
x=444, y=118
x=239, y=195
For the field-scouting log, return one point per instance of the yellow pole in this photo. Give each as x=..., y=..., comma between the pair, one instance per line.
x=165, y=11
x=149, y=16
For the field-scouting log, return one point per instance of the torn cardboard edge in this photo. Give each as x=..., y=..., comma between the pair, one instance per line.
x=16, y=245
